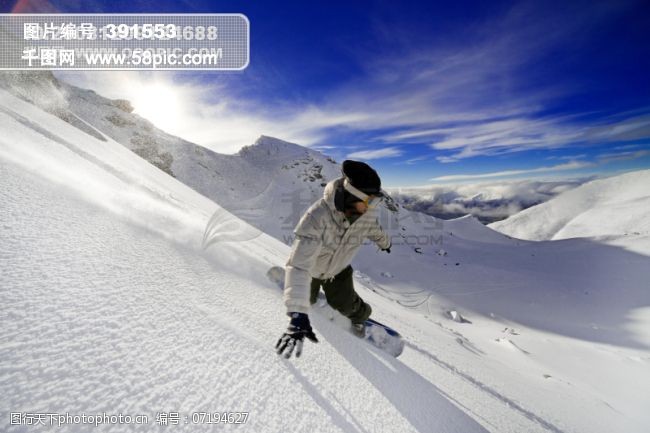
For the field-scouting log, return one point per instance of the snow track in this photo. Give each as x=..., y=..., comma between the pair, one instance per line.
x=508, y=402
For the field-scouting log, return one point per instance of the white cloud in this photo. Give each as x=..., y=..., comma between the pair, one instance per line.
x=623, y=156
x=568, y=157
x=474, y=99
x=387, y=152
x=514, y=135
x=488, y=201
x=574, y=165
x=417, y=159
x=627, y=147
x=465, y=99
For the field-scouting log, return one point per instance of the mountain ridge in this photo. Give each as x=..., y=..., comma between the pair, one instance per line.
x=614, y=210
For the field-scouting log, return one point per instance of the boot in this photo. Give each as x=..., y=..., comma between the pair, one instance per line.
x=359, y=329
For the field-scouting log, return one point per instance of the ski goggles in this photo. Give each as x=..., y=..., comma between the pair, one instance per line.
x=369, y=200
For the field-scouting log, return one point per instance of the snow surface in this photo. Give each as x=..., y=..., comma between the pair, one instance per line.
x=101, y=313
x=110, y=303
x=615, y=210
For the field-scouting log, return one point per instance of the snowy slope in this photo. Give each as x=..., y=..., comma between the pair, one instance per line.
x=112, y=303
x=614, y=210
x=109, y=304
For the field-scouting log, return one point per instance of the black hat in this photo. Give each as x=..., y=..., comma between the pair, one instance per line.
x=362, y=177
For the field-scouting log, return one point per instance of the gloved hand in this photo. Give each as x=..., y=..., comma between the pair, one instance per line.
x=388, y=249
x=298, y=329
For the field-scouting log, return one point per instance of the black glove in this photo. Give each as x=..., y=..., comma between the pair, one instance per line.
x=298, y=329
x=388, y=249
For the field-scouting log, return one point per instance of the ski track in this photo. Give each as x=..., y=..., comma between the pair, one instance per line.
x=485, y=388
x=371, y=285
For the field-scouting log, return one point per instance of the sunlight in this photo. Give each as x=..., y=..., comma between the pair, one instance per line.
x=159, y=103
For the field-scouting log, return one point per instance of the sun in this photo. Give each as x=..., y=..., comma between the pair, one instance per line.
x=159, y=103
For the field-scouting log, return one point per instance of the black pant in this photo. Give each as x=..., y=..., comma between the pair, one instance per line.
x=340, y=294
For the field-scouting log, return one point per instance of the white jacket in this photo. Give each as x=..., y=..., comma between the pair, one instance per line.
x=325, y=243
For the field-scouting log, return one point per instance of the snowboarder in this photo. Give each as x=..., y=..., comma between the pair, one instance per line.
x=327, y=238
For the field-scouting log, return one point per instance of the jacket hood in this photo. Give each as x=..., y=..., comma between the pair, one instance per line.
x=330, y=191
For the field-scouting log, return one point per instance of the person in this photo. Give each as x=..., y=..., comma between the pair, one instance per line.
x=327, y=238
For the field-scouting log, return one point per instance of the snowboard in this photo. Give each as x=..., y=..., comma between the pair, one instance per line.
x=379, y=335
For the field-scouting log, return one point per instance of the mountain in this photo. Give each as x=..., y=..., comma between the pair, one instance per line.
x=127, y=290
x=614, y=210
x=238, y=182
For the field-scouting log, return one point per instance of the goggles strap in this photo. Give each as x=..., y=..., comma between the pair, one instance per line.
x=354, y=191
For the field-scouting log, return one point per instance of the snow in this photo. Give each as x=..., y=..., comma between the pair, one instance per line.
x=110, y=302
x=613, y=210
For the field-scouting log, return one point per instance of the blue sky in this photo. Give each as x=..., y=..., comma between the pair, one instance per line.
x=426, y=92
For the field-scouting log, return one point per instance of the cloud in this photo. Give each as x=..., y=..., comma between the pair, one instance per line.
x=387, y=152
x=573, y=165
x=487, y=201
x=481, y=98
x=627, y=147
x=208, y=114
x=461, y=97
x=417, y=159
x=486, y=97
x=623, y=156
x=569, y=157
x=514, y=135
